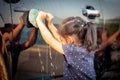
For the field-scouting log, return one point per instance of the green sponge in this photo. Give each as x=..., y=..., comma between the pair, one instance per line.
x=33, y=13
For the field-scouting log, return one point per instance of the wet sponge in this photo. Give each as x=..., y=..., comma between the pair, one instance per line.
x=33, y=13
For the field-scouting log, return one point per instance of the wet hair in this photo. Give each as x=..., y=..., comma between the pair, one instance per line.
x=86, y=31
x=8, y=27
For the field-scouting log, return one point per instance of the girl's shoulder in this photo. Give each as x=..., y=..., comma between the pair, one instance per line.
x=73, y=48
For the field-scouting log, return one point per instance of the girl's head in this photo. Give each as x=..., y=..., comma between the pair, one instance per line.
x=85, y=32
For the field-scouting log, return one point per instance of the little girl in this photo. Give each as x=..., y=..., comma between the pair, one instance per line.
x=76, y=40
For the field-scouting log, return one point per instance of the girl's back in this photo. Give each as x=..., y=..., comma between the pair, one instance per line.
x=78, y=63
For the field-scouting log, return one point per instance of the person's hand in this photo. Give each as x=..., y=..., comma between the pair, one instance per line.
x=49, y=17
x=21, y=20
x=41, y=16
x=104, y=35
x=35, y=28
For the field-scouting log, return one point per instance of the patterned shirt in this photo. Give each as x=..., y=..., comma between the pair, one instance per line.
x=78, y=64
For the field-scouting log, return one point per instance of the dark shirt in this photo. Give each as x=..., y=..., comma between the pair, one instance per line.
x=15, y=52
x=78, y=63
x=103, y=62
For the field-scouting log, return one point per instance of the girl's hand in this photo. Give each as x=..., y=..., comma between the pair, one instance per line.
x=41, y=16
x=49, y=17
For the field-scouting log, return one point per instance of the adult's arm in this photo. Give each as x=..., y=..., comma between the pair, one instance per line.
x=13, y=34
x=31, y=40
x=109, y=41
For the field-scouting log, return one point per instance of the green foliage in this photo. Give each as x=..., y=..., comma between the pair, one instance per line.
x=112, y=27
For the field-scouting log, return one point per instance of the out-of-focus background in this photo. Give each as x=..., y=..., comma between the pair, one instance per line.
x=40, y=60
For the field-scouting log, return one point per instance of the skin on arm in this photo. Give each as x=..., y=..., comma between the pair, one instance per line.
x=13, y=34
x=109, y=41
x=46, y=35
x=51, y=27
x=31, y=40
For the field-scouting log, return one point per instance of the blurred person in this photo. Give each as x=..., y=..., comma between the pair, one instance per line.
x=15, y=47
x=103, y=60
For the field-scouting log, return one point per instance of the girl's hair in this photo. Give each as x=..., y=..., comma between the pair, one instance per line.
x=86, y=31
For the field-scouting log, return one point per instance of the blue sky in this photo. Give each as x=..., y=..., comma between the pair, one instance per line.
x=62, y=8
